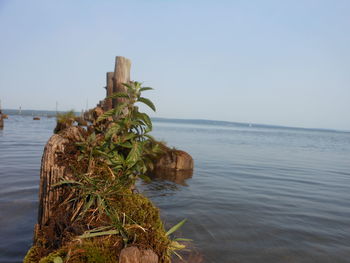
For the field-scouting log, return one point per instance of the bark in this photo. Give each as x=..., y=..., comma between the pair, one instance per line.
x=51, y=173
x=121, y=75
x=108, y=102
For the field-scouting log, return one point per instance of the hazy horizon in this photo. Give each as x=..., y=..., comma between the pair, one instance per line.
x=271, y=62
x=188, y=120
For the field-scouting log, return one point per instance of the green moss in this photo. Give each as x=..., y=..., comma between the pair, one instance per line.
x=32, y=255
x=96, y=251
x=143, y=224
x=50, y=258
x=64, y=120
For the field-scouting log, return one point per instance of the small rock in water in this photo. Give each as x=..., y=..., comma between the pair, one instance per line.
x=134, y=255
x=175, y=159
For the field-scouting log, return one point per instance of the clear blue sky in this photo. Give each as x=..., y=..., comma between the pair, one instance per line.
x=272, y=62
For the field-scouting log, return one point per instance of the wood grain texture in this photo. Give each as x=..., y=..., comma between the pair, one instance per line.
x=121, y=75
x=51, y=172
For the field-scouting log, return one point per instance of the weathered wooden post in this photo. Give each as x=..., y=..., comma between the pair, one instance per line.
x=121, y=75
x=109, y=91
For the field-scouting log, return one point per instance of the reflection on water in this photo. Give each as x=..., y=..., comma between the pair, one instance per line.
x=176, y=176
x=159, y=187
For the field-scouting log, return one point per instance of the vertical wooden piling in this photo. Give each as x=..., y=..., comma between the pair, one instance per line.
x=121, y=75
x=109, y=90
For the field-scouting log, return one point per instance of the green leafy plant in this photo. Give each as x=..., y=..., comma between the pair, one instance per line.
x=127, y=144
x=123, y=151
x=112, y=153
x=174, y=245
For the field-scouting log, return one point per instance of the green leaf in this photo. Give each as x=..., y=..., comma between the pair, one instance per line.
x=145, y=178
x=146, y=88
x=145, y=118
x=176, y=227
x=128, y=137
x=99, y=229
x=183, y=239
x=112, y=130
x=88, y=205
x=134, y=154
x=101, y=204
x=147, y=102
x=92, y=137
x=118, y=158
x=177, y=254
x=112, y=112
x=97, y=234
x=126, y=144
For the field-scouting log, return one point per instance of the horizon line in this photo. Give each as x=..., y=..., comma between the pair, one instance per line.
x=209, y=120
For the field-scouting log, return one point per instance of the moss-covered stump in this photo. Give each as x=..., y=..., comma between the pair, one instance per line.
x=59, y=234
x=88, y=208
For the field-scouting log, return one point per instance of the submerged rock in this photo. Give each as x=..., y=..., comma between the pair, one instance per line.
x=176, y=160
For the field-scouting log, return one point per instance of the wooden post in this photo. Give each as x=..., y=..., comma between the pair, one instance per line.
x=121, y=75
x=109, y=90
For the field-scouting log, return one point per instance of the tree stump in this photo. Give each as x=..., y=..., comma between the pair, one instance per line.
x=51, y=173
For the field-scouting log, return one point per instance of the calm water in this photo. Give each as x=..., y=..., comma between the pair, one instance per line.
x=257, y=194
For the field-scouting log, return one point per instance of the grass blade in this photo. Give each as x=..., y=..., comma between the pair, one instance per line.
x=176, y=227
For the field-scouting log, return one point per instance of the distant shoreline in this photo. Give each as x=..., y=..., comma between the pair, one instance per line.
x=183, y=121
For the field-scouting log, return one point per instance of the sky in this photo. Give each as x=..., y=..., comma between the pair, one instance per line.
x=270, y=62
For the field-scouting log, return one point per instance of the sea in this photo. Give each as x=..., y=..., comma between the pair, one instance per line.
x=258, y=193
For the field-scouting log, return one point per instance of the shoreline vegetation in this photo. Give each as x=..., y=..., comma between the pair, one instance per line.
x=90, y=210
